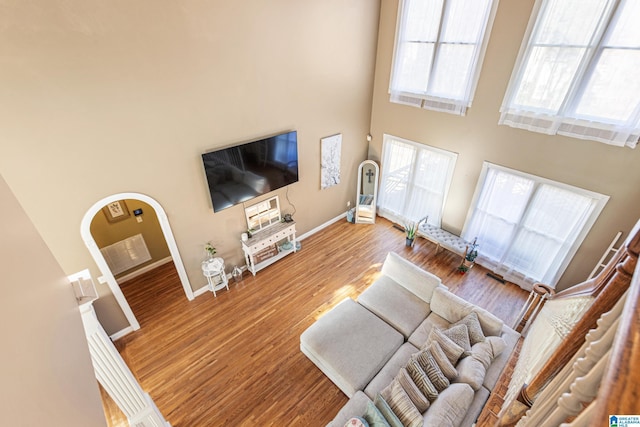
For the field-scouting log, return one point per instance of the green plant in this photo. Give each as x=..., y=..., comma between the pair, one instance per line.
x=472, y=251
x=463, y=268
x=410, y=228
x=209, y=249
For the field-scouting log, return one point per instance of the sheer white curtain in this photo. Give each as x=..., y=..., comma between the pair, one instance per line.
x=438, y=52
x=528, y=227
x=577, y=72
x=415, y=180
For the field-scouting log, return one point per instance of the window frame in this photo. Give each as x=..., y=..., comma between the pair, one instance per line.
x=566, y=120
x=429, y=100
x=400, y=218
x=599, y=200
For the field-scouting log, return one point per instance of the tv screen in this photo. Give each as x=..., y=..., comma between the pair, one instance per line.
x=242, y=172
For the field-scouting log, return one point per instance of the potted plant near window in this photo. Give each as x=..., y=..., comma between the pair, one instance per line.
x=410, y=229
x=471, y=252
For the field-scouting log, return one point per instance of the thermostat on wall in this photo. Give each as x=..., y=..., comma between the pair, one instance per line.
x=137, y=212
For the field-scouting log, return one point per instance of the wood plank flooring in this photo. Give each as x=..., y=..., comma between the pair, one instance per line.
x=235, y=360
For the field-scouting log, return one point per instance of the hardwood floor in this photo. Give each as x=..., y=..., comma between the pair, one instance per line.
x=235, y=359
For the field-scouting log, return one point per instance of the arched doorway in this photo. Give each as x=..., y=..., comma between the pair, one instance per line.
x=85, y=232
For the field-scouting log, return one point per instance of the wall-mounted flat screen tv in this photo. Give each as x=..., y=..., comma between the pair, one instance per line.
x=240, y=173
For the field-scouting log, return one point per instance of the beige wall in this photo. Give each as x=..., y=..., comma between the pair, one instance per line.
x=47, y=377
x=100, y=98
x=106, y=233
x=477, y=137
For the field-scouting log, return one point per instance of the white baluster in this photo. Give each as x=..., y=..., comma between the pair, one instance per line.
x=116, y=378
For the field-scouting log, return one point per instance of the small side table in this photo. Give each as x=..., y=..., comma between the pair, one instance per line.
x=213, y=270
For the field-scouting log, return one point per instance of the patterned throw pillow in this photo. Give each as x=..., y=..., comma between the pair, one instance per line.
x=412, y=390
x=459, y=334
x=401, y=405
x=433, y=371
x=374, y=417
x=450, y=348
x=421, y=380
x=472, y=321
x=387, y=412
x=438, y=355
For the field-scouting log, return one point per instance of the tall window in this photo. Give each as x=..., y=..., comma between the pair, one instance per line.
x=415, y=180
x=438, y=52
x=529, y=227
x=577, y=73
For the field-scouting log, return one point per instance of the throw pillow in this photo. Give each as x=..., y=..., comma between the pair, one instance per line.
x=489, y=349
x=474, y=328
x=433, y=371
x=412, y=390
x=357, y=422
x=471, y=371
x=498, y=344
x=438, y=355
x=401, y=405
x=374, y=417
x=421, y=380
x=450, y=348
x=387, y=412
x=459, y=334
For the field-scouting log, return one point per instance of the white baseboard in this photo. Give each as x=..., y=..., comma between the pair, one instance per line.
x=121, y=333
x=205, y=288
x=143, y=270
x=201, y=291
x=321, y=227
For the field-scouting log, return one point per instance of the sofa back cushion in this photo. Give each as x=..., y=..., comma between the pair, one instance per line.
x=453, y=308
x=410, y=276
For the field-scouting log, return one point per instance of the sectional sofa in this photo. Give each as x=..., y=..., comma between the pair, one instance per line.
x=407, y=335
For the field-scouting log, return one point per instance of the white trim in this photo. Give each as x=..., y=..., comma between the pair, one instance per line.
x=321, y=227
x=121, y=333
x=143, y=270
x=85, y=232
x=203, y=290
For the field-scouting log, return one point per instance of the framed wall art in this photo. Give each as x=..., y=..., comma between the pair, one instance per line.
x=331, y=148
x=116, y=211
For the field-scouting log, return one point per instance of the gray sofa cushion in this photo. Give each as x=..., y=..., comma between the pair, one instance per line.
x=453, y=308
x=355, y=407
x=350, y=345
x=511, y=338
x=451, y=406
x=395, y=305
x=418, y=281
x=419, y=337
x=479, y=399
x=390, y=370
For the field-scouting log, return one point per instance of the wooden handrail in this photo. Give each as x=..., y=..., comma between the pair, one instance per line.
x=609, y=293
x=607, y=288
x=620, y=387
x=594, y=286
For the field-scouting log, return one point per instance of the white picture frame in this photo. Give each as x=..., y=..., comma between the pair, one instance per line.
x=331, y=149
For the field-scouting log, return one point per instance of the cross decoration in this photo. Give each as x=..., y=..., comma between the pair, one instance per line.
x=369, y=174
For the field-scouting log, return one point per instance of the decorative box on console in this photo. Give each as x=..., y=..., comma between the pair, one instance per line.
x=265, y=254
